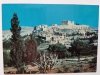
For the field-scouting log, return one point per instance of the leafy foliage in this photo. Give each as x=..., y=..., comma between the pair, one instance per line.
x=6, y=44
x=16, y=43
x=77, y=47
x=59, y=49
x=30, y=52
x=93, y=63
x=80, y=48
x=6, y=57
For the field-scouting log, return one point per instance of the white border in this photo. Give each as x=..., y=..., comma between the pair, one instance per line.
x=93, y=2
x=1, y=49
x=83, y=2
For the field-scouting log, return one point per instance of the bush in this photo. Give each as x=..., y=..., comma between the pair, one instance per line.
x=6, y=57
x=6, y=44
x=93, y=63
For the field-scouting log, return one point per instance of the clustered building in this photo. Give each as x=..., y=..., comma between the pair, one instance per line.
x=64, y=33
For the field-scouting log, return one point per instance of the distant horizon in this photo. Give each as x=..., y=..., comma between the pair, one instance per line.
x=41, y=24
x=36, y=14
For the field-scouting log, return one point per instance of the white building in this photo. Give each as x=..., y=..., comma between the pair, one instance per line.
x=71, y=25
x=42, y=27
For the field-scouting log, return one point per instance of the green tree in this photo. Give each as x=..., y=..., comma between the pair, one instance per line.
x=59, y=49
x=76, y=48
x=16, y=52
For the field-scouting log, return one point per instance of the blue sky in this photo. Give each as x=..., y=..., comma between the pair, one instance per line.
x=35, y=14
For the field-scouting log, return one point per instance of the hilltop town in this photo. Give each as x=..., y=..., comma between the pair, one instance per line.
x=65, y=33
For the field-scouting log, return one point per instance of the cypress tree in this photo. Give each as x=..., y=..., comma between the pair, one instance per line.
x=16, y=43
